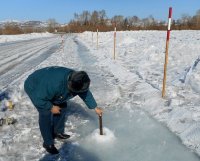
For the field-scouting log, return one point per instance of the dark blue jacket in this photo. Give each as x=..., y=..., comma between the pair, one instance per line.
x=48, y=86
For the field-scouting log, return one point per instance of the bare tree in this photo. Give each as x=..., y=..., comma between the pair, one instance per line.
x=185, y=19
x=198, y=12
x=11, y=29
x=134, y=21
x=119, y=19
x=86, y=17
x=149, y=21
x=198, y=17
x=126, y=24
x=1, y=31
x=52, y=24
x=102, y=16
x=95, y=18
x=76, y=18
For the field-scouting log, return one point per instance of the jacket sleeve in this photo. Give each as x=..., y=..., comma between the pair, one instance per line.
x=89, y=100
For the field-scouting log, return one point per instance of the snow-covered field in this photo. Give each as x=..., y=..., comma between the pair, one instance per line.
x=13, y=38
x=128, y=88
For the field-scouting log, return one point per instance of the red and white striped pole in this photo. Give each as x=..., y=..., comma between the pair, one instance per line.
x=166, y=54
x=115, y=29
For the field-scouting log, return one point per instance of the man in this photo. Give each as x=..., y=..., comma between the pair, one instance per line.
x=49, y=90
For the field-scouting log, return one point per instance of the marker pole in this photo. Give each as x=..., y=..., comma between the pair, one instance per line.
x=166, y=53
x=115, y=29
x=97, y=37
x=92, y=37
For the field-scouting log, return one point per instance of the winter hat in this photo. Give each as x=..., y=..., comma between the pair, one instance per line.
x=78, y=81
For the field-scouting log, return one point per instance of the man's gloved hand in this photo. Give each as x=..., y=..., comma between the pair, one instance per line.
x=55, y=109
x=98, y=111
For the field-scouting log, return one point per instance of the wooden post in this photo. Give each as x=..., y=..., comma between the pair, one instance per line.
x=114, y=41
x=92, y=37
x=63, y=44
x=97, y=38
x=100, y=125
x=166, y=54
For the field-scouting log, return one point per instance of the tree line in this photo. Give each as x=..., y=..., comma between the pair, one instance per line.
x=90, y=21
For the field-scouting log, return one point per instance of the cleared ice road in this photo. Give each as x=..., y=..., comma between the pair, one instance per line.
x=17, y=58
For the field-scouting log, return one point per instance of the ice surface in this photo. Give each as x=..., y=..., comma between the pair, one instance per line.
x=107, y=137
x=136, y=137
x=140, y=124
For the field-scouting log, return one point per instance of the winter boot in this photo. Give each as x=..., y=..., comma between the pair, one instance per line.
x=51, y=149
x=62, y=136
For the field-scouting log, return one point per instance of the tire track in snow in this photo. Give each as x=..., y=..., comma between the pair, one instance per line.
x=19, y=46
x=30, y=56
x=16, y=52
x=24, y=50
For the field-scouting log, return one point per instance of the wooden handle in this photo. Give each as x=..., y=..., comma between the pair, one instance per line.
x=100, y=125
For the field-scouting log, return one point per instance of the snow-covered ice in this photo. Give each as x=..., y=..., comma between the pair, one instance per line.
x=139, y=124
x=107, y=137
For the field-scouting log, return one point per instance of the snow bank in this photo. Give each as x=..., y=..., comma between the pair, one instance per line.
x=11, y=38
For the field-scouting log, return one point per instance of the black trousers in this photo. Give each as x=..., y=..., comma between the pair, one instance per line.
x=52, y=123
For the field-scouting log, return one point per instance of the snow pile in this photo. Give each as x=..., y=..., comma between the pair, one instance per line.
x=12, y=38
x=107, y=137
